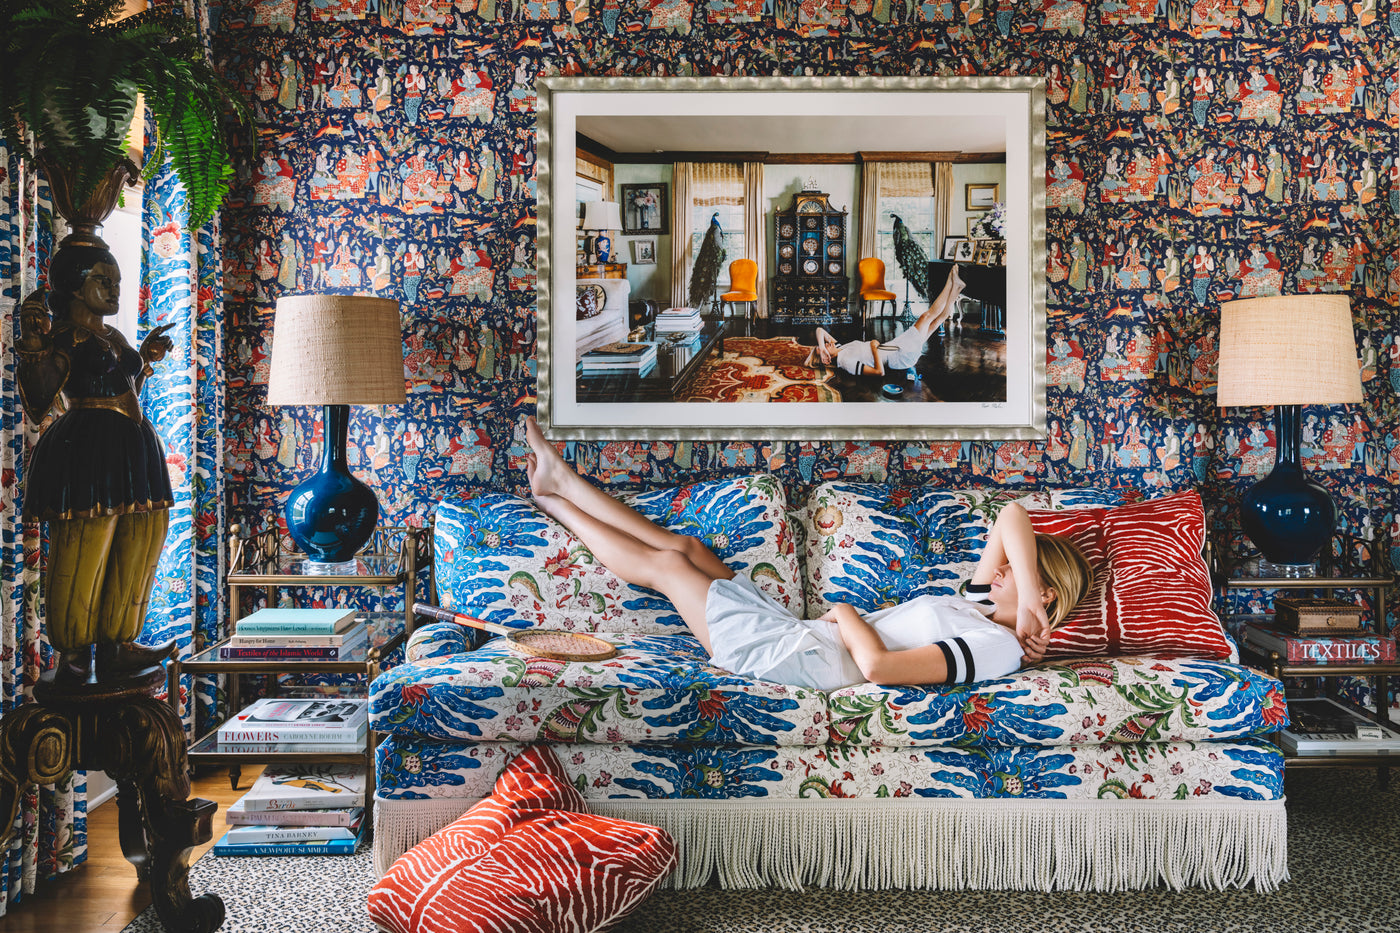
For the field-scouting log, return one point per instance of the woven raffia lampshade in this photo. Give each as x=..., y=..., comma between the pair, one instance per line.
x=336, y=350
x=1287, y=350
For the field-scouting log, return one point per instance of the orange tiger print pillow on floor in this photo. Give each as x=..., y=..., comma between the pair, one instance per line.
x=527, y=859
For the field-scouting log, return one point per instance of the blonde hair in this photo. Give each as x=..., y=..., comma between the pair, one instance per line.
x=1063, y=568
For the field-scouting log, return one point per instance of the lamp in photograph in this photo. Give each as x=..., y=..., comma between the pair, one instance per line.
x=1288, y=351
x=600, y=217
x=335, y=351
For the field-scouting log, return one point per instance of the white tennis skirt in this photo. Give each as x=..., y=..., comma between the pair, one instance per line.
x=756, y=636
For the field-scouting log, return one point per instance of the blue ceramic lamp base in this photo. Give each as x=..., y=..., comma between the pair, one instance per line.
x=1289, y=517
x=332, y=514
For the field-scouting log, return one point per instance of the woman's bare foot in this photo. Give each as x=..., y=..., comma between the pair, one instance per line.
x=547, y=472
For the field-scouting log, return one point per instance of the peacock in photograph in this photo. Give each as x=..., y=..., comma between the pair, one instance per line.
x=913, y=263
x=708, y=263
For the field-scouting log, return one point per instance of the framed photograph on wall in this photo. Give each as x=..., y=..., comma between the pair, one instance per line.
x=692, y=392
x=645, y=210
x=643, y=252
x=981, y=197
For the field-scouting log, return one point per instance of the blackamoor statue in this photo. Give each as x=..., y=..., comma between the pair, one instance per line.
x=97, y=474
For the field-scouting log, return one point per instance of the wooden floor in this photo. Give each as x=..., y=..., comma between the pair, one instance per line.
x=103, y=895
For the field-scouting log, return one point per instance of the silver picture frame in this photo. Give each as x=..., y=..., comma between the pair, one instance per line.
x=1017, y=102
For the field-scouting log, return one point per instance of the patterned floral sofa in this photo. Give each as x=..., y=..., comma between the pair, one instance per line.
x=1092, y=773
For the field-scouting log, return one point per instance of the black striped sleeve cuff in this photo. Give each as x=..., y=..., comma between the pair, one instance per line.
x=958, y=656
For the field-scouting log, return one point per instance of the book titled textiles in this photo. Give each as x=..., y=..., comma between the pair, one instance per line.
x=306, y=787
x=305, y=847
x=279, y=620
x=316, y=719
x=238, y=815
x=1320, y=649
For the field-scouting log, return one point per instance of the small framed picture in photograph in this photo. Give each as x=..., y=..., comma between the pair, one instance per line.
x=981, y=197
x=951, y=245
x=643, y=252
x=982, y=252
x=964, y=252
x=644, y=209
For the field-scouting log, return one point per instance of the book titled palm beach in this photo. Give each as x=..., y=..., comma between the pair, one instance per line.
x=315, y=719
x=239, y=815
x=281, y=620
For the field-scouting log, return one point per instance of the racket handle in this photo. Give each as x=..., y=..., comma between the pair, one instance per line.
x=461, y=618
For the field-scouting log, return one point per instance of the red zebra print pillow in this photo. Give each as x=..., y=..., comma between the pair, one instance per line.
x=1152, y=591
x=527, y=859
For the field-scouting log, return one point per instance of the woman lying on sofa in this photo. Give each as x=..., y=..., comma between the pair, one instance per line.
x=1025, y=584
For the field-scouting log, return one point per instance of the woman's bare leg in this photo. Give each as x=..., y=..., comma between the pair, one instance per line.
x=679, y=567
x=942, y=306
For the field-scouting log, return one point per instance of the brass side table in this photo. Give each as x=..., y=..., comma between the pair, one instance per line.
x=1330, y=580
x=394, y=557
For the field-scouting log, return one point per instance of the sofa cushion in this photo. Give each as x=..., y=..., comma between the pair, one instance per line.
x=499, y=558
x=658, y=688
x=873, y=545
x=409, y=768
x=1072, y=702
x=1152, y=590
x=529, y=858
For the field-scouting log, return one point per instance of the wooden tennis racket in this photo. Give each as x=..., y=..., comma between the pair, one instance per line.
x=535, y=643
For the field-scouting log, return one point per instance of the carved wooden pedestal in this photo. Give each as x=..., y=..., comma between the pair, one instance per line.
x=120, y=728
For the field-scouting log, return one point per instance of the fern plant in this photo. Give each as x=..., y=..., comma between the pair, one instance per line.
x=70, y=72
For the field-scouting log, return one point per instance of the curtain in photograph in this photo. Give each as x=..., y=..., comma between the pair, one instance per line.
x=942, y=202
x=756, y=230
x=51, y=828
x=867, y=236
x=906, y=189
x=680, y=233
x=184, y=399
x=717, y=188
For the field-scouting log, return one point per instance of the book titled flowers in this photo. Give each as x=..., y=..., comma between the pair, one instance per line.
x=316, y=719
x=306, y=787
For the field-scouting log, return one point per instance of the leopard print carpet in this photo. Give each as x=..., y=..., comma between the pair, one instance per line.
x=1344, y=856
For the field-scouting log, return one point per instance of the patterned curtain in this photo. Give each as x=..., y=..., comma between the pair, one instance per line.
x=681, y=205
x=756, y=230
x=182, y=285
x=867, y=239
x=51, y=826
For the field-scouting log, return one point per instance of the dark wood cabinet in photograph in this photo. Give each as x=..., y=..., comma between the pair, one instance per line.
x=811, y=283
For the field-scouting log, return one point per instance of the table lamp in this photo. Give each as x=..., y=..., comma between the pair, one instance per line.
x=1288, y=351
x=335, y=351
x=600, y=217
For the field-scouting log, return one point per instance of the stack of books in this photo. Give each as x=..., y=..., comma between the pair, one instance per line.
x=675, y=320
x=298, y=810
x=1322, y=727
x=619, y=359
x=281, y=634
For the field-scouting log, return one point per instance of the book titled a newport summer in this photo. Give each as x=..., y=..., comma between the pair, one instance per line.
x=281, y=620
x=305, y=847
x=313, y=719
x=306, y=787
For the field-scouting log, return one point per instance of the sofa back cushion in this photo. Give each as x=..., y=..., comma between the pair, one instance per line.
x=873, y=545
x=500, y=558
x=1152, y=592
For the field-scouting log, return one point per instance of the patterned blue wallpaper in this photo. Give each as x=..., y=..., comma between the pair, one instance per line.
x=1197, y=153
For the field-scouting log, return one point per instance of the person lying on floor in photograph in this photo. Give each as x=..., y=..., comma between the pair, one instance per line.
x=1024, y=585
x=859, y=357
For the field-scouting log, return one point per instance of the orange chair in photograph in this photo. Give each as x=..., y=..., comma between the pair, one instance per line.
x=872, y=286
x=743, y=285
